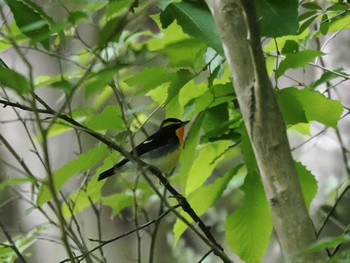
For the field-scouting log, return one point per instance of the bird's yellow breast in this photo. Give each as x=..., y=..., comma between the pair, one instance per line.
x=167, y=162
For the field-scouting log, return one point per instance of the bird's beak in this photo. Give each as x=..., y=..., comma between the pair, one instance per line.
x=184, y=123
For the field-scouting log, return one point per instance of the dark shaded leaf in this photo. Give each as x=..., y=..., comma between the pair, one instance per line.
x=277, y=18
x=13, y=80
x=195, y=20
x=32, y=21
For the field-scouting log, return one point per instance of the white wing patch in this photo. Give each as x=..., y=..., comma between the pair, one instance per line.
x=148, y=141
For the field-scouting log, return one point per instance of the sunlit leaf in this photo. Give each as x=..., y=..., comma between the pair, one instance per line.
x=90, y=194
x=116, y=7
x=108, y=119
x=202, y=199
x=99, y=80
x=340, y=23
x=81, y=164
x=208, y=158
x=244, y=232
x=172, y=34
x=308, y=183
x=189, y=153
x=297, y=60
x=150, y=78
x=248, y=229
x=15, y=181
x=327, y=76
x=315, y=106
x=303, y=128
x=118, y=202
x=185, y=53
x=281, y=41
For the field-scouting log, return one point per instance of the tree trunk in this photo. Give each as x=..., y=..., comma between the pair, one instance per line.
x=237, y=25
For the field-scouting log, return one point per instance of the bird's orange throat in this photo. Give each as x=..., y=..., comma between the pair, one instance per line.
x=180, y=134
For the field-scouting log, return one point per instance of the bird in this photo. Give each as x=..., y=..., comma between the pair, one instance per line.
x=161, y=149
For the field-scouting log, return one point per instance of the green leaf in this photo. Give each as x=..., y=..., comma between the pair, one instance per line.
x=215, y=116
x=297, y=60
x=90, y=194
x=277, y=18
x=191, y=91
x=339, y=24
x=31, y=20
x=172, y=34
x=244, y=232
x=303, y=128
x=338, y=6
x=15, y=181
x=307, y=15
x=307, y=23
x=324, y=24
x=327, y=76
x=312, y=6
x=108, y=119
x=22, y=242
x=208, y=158
x=83, y=198
x=116, y=7
x=81, y=164
x=202, y=199
x=248, y=229
x=118, y=202
x=328, y=242
x=315, y=105
x=76, y=16
x=290, y=46
x=308, y=183
x=185, y=53
x=290, y=107
x=111, y=30
x=99, y=80
x=189, y=153
x=247, y=152
x=196, y=21
x=13, y=80
x=150, y=78
x=182, y=77
x=281, y=41
x=62, y=84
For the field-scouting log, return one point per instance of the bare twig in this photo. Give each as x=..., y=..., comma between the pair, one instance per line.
x=12, y=244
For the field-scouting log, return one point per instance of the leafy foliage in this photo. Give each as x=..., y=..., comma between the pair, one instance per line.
x=145, y=61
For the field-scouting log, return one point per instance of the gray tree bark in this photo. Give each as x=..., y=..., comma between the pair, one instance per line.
x=237, y=25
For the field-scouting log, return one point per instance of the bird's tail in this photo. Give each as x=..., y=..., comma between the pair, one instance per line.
x=106, y=174
x=112, y=170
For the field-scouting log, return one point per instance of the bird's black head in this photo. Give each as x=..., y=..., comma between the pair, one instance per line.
x=173, y=123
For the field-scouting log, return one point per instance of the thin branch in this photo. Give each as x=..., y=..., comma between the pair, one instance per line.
x=330, y=213
x=105, y=242
x=12, y=243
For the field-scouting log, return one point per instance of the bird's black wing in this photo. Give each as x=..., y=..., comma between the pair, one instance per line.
x=155, y=141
